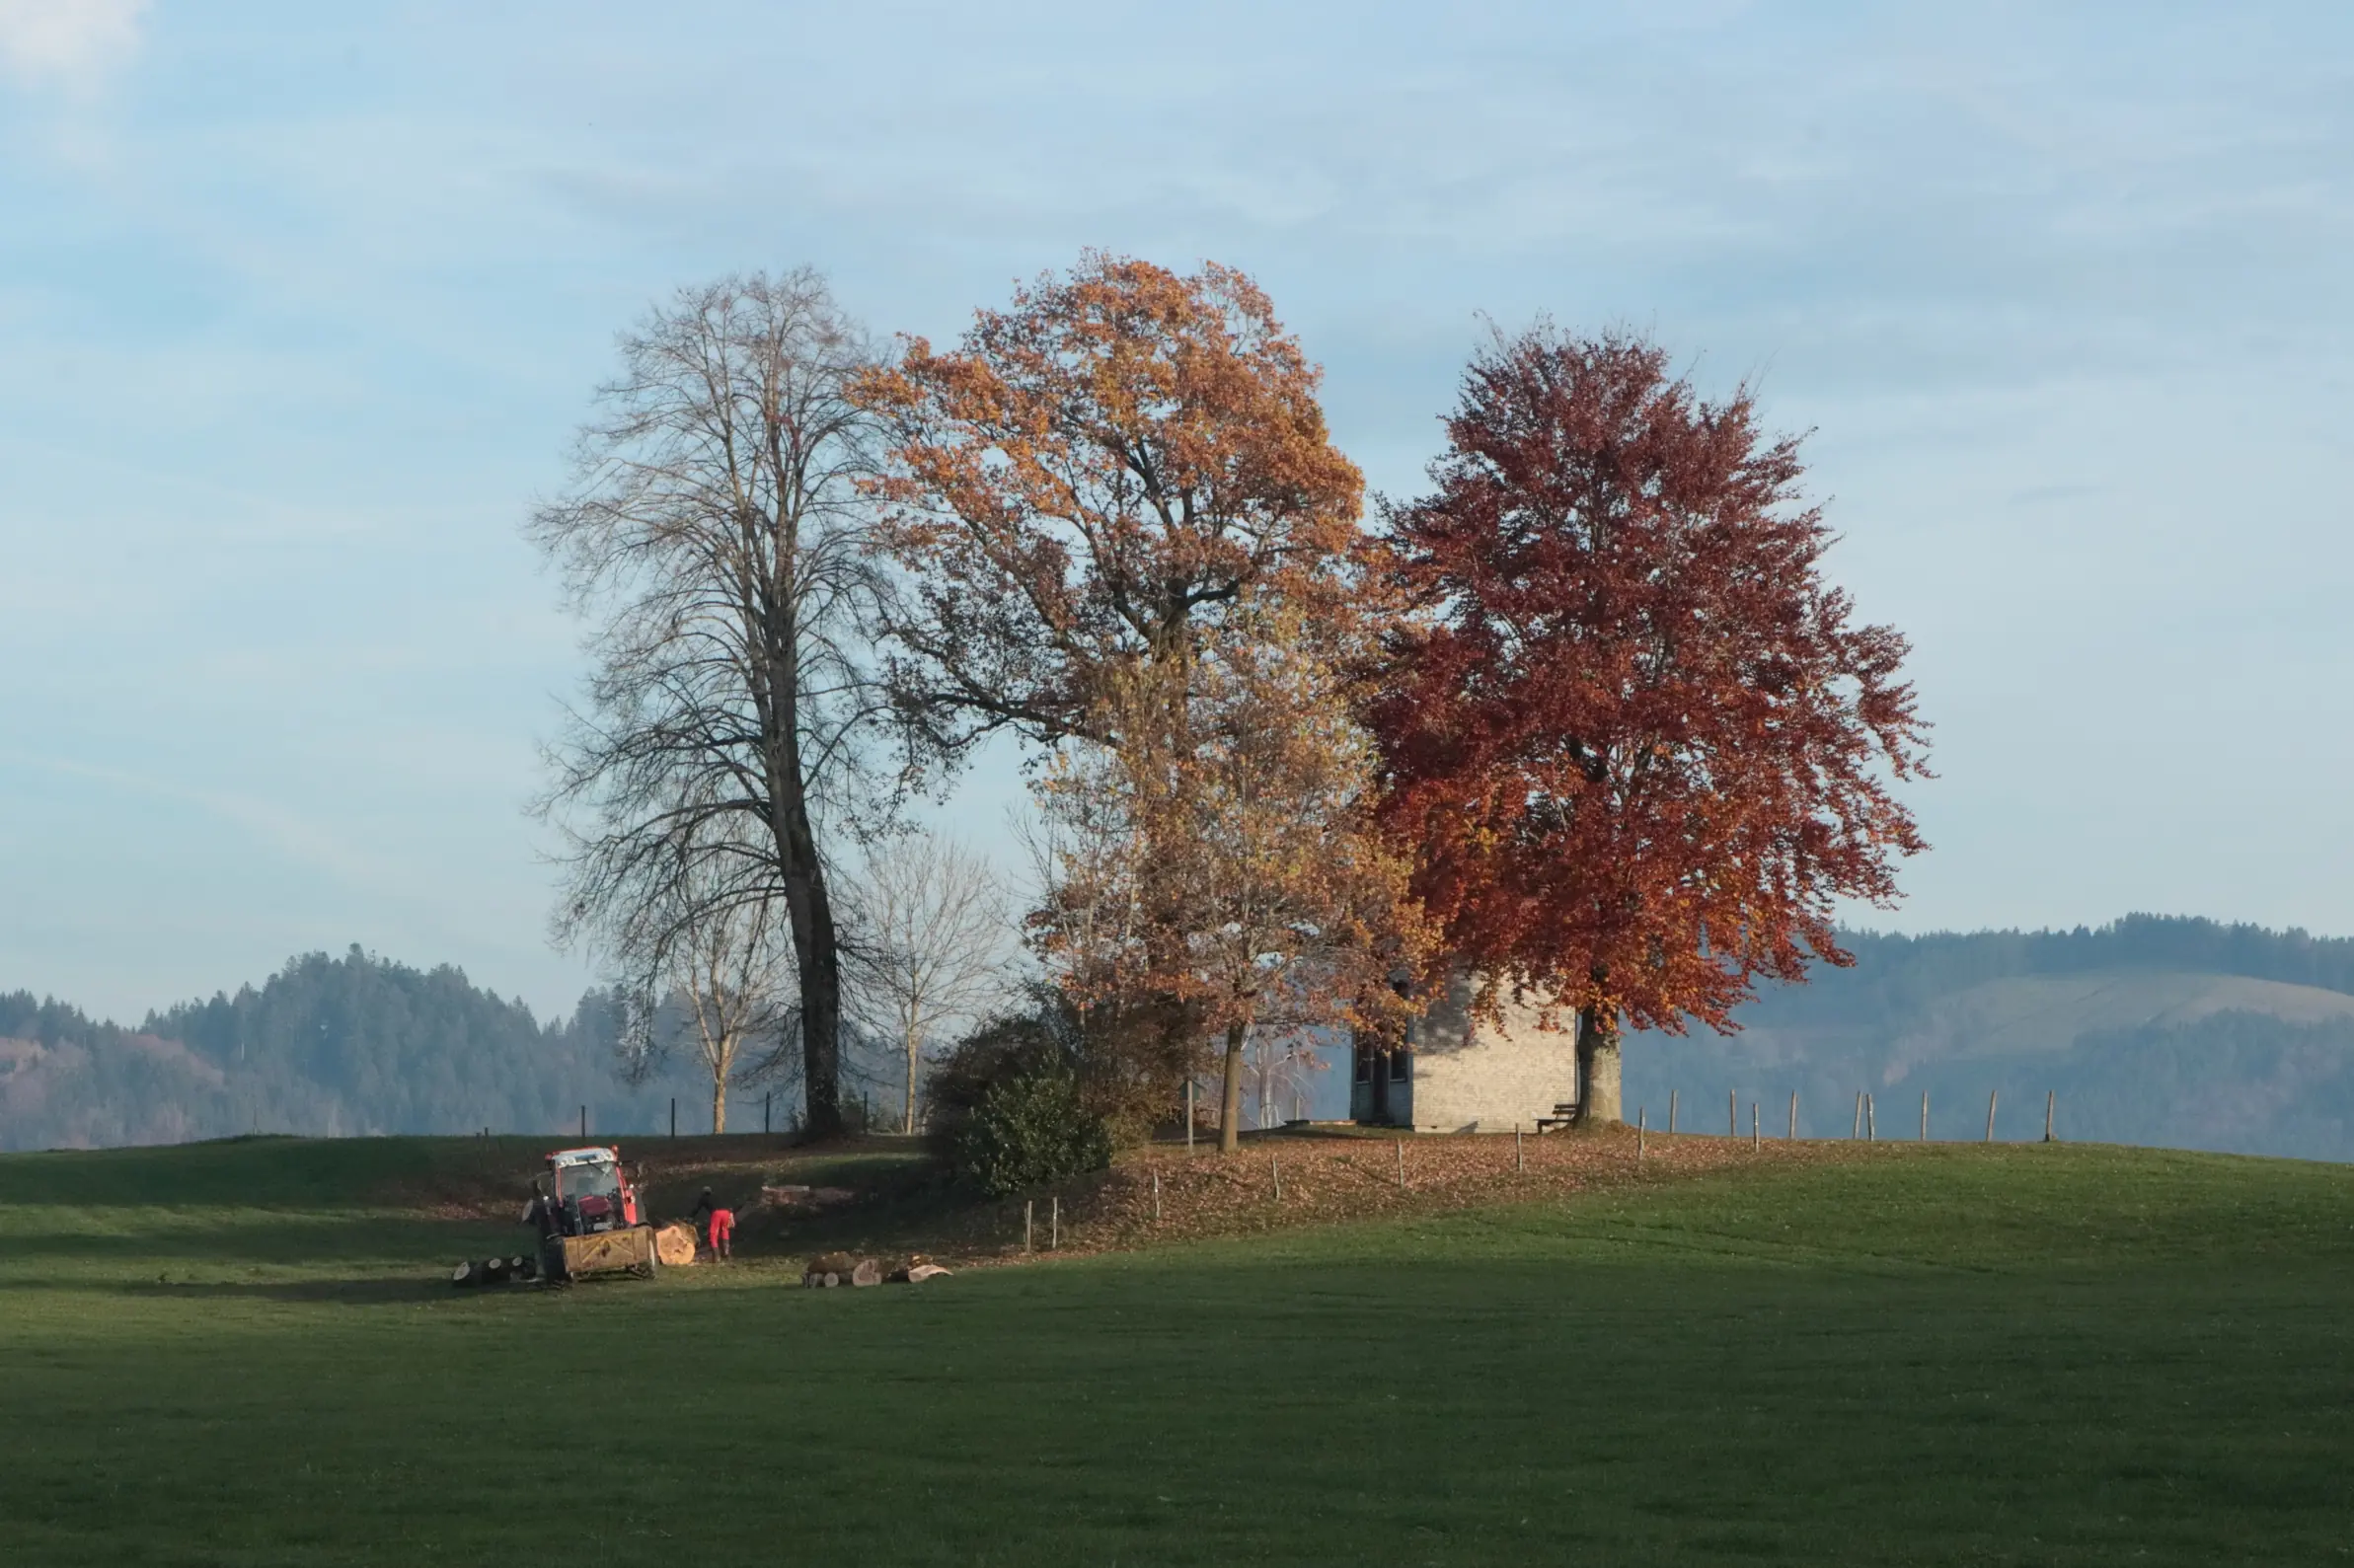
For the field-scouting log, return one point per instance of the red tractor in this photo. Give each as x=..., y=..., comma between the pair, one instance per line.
x=589, y=1218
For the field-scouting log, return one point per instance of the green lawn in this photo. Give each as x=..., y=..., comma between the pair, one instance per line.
x=241, y=1354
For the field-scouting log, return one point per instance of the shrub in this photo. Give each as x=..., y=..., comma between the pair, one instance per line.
x=1129, y=1061
x=1029, y=1127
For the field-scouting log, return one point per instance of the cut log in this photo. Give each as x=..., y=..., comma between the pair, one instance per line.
x=463, y=1274
x=674, y=1244
x=868, y=1272
x=919, y=1273
x=832, y=1279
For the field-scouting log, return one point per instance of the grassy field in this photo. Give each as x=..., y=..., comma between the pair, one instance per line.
x=242, y=1354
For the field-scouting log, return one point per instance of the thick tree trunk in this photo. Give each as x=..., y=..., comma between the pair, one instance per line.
x=718, y=1104
x=1599, y=1102
x=821, y=1023
x=1230, y=1108
x=817, y=952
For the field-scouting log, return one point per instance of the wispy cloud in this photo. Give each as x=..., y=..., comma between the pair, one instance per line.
x=73, y=42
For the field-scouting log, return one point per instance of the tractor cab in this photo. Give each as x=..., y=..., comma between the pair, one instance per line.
x=591, y=1192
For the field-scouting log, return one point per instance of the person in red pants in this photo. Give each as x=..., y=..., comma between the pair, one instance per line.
x=718, y=1224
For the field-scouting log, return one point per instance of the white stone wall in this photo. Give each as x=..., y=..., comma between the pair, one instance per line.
x=1474, y=1077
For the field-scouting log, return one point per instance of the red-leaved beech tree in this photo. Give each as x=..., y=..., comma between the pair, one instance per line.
x=1638, y=746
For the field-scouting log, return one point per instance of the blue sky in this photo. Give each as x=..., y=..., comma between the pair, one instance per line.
x=298, y=304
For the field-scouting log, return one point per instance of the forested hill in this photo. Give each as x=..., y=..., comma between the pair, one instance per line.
x=2154, y=1030
x=328, y=1046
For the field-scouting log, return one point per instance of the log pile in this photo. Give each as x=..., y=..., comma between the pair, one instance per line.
x=494, y=1271
x=832, y=1269
x=917, y=1274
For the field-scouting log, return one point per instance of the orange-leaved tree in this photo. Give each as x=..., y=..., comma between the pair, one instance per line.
x=1098, y=479
x=1102, y=499
x=1639, y=746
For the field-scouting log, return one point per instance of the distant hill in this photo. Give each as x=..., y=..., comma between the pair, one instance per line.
x=2153, y=1030
x=327, y=1046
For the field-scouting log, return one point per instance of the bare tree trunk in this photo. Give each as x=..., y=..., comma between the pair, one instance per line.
x=809, y=911
x=1230, y=1106
x=907, y=1118
x=1599, y=1102
x=718, y=1104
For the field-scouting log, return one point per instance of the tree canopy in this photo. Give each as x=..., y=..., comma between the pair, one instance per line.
x=1639, y=744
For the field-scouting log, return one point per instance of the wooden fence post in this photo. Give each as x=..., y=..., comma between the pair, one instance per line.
x=1054, y=1224
x=1756, y=1137
x=1156, y=1194
x=1671, y=1110
x=1925, y=1116
x=1520, y=1159
x=1732, y=1115
x=1275, y=1170
x=1402, y=1164
x=1029, y=1222
x=1872, y=1125
x=1989, y=1114
x=1188, y=1116
x=768, y=1103
x=675, y=1116
x=2050, y=1097
x=1642, y=1128
x=1793, y=1117
x=1858, y=1130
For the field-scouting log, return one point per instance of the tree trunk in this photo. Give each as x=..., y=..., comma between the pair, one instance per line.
x=1599, y=1100
x=817, y=952
x=718, y=1104
x=907, y=1118
x=1230, y=1107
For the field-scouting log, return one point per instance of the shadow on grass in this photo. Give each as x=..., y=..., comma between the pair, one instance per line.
x=288, y=1240
x=366, y=1291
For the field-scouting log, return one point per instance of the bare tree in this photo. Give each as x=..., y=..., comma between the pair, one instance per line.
x=1282, y=1066
x=933, y=945
x=733, y=983
x=715, y=537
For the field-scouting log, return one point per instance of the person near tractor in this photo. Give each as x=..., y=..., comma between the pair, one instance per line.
x=541, y=1212
x=718, y=1224
x=545, y=1216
